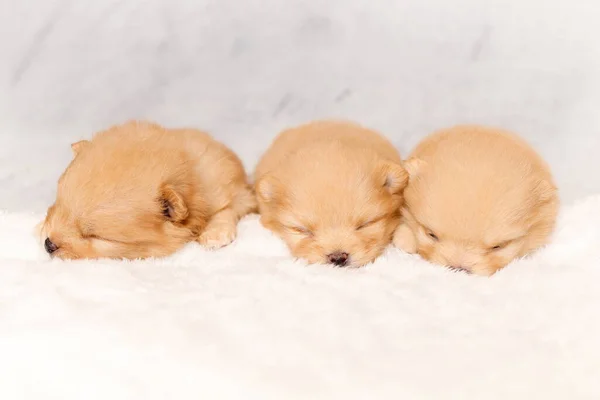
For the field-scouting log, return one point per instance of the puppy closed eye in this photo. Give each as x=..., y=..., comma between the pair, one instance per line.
x=300, y=230
x=95, y=237
x=499, y=246
x=432, y=235
x=369, y=223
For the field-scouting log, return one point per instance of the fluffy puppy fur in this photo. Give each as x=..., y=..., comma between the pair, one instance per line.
x=332, y=191
x=139, y=190
x=477, y=198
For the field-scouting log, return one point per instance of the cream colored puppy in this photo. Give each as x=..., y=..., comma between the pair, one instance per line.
x=332, y=191
x=477, y=198
x=139, y=190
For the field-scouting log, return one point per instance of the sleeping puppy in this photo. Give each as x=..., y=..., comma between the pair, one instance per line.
x=332, y=191
x=139, y=190
x=477, y=198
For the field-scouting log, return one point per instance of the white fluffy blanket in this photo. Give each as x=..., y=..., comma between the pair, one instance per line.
x=248, y=322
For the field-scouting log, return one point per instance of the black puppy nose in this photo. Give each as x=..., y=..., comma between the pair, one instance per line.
x=338, y=258
x=49, y=246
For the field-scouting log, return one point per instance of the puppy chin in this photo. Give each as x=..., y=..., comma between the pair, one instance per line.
x=359, y=263
x=67, y=255
x=479, y=267
x=483, y=269
x=355, y=259
x=321, y=259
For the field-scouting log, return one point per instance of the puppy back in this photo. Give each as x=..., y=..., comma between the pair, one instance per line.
x=326, y=141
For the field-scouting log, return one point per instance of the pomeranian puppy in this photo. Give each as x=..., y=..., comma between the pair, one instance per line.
x=139, y=190
x=477, y=198
x=332, y=191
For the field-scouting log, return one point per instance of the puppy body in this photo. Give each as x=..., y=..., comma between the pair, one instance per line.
x=477, y=198
x=332, y=191
x=139, y=190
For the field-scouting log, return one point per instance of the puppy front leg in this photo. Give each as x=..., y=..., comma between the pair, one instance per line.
x=222, y=227
x=220, y=230
x=405, y=239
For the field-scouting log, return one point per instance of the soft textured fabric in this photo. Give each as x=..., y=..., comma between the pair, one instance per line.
x=249, y=322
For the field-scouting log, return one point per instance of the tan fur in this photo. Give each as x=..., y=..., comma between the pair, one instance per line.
x=112, y=197
x=320, y=183
x=475, y=188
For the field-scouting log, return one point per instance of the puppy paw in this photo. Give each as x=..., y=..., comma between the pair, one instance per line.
x=405, y=240
x=217, y=235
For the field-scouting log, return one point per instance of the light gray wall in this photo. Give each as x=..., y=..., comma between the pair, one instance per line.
x=244, y=69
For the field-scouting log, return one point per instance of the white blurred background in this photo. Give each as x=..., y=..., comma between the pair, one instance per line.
x=244, y=69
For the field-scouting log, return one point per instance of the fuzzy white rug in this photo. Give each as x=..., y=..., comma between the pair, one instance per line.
x=248, y=322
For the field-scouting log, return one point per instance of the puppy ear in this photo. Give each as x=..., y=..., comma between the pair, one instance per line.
x=77, y=147
x=267, y=189
x=395, y=177
x=413, y=166
x=545, y=191
x=172, y=204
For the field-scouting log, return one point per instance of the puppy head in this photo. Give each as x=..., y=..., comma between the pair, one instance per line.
x=122, y=198
x=336, y=212
x=478, y=219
